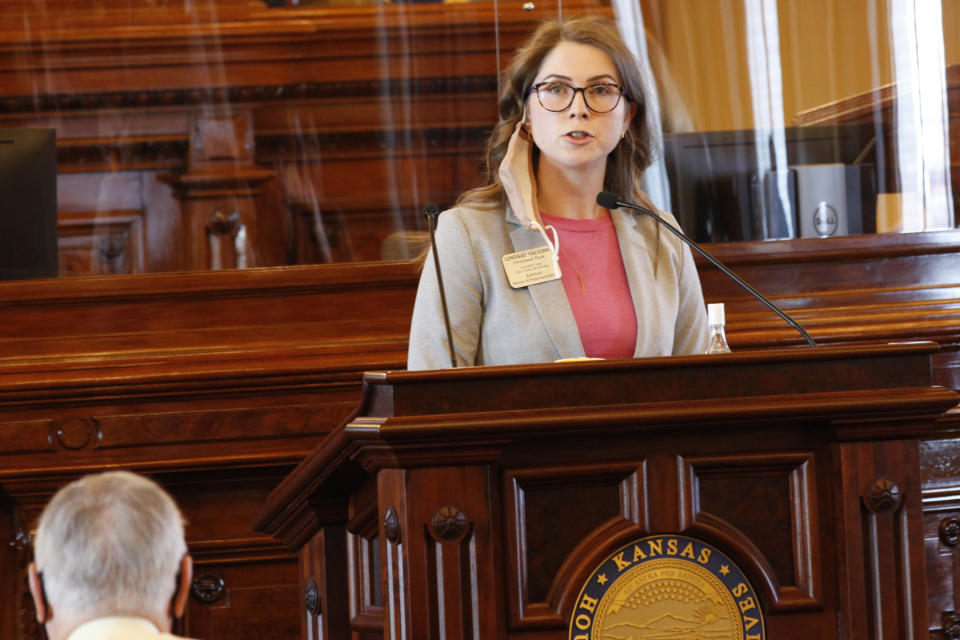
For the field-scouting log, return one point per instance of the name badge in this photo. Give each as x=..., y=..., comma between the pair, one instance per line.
x=532, y=266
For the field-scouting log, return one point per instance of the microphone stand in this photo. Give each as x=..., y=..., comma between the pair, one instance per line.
x=431, y=212
x=612, y=201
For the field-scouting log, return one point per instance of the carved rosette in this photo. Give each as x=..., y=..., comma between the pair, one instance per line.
x=111, y=249
x=950, y=531
x=391, y=525
x=207, y=588
x=22, y=538
x=883, y=496
x=311, y=597
x=449, y=524
x=950, y=625
x=223, y=224
x=181, y=97
x=76, y=433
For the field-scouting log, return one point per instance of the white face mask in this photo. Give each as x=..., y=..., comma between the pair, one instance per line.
x=516, y=175
x=520, y=185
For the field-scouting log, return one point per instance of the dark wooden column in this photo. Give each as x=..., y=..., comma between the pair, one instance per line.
x=440, y=566
x=221, y=192
x=880, y=532
x=323, y=572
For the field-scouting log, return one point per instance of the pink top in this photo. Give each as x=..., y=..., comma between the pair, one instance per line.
x=596, y=284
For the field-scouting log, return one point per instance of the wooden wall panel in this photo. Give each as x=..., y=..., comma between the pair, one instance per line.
x=443, y=535
x=94, y=376
x=108, y=243
x=873, y=510
x=548, y=512
x=202, y=111
x=258, y=601
x=940, y=460
x=364, y=566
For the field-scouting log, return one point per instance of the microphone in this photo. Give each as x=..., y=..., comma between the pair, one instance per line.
x=612, y=201
x=431, y=212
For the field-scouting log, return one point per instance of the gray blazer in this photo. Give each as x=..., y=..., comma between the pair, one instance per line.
x=494, y=324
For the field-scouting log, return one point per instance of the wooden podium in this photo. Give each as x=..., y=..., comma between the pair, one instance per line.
x=475, y=503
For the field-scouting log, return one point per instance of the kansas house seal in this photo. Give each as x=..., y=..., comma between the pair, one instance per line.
x=667, y=587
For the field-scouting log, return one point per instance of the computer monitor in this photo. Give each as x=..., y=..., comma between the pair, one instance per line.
x=720, y=192
x=28, y=203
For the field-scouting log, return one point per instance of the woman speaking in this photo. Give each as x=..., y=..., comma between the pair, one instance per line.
x=534, y=269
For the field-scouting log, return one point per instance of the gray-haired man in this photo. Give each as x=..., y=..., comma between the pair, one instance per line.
x=111, y=561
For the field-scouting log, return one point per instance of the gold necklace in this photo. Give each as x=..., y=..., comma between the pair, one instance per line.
x=593, y=245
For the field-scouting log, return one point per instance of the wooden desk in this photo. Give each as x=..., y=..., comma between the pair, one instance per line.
x=475, y=503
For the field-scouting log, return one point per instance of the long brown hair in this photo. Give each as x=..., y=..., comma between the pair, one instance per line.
x=633, y=155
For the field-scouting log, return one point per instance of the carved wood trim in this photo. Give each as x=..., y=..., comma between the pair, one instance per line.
x=868, y=103
x=804, y=251
x=884, y=532
x=631, y=477
x=208, y=588
x=263, y=283
x=883, y=496
x=362, y=551
x=590, y=553
x=374, y=141
x=323, y=563
x=452, y=565
x=857, y=414
x=941, y=497
x=950, y=626
x=949, y=531
x=246, y=94
x=123, y=153
x=849, y=109
x=22, y=541
x=429, y=581
x=941, y=509
x=295, y=328
x=364, y=564
x=106, y=242
x=26, y=437
x=73, y=434
x=239, y=550
x=163, y=153
x=883, y=587
x=449, y=524
x=311, y=598
x=799, y=468
x=396, y=592
x=390, y=495
x=101, y=432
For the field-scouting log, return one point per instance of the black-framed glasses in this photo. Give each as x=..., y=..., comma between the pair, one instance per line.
x=558, y=96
